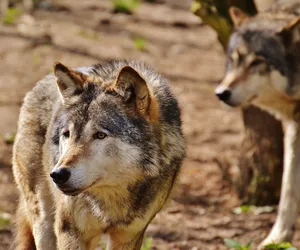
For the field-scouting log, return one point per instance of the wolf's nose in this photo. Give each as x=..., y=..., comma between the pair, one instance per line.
x=60, y=175
x=223, y=95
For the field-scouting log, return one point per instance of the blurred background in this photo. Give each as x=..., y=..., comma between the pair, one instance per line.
x=208, y=205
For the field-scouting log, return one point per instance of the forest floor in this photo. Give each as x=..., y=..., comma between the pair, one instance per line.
x=174, y=42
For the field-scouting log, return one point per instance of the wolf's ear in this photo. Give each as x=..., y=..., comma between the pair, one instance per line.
x=291, y=33
x=132, y=87
x=68, y=80
x=237, y=15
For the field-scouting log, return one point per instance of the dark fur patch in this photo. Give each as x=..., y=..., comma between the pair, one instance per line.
x=61, y=67
x=268, y=46
x=145, y=191
x=55, y=136
x=65, y=225
x=262, y=36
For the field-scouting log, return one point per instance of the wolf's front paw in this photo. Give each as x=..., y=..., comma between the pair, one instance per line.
x=276, y=236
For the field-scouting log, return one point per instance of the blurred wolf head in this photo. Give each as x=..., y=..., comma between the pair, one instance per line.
x=115, y=126
x=261, y=58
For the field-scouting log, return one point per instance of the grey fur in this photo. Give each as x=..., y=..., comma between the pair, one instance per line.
x=261, y=34
x=43, y=119
x=263, y=68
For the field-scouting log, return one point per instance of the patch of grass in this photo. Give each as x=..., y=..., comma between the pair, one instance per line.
x=5, y=220
x=36, y=58
x=125, y=6
x=253, y=209
x=9, y=138
x=88, y=34
x=280, y=246
x=147, y=244
x=233, y=244
x=11, y=15
x=241, y=209
x=139, y=43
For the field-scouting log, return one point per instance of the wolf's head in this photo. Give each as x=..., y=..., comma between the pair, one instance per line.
x=105, y=132
x=257, y=57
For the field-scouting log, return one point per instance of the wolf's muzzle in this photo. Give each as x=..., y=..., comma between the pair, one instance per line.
x=60, y=175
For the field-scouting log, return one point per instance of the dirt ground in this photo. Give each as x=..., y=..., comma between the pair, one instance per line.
x=175, y=43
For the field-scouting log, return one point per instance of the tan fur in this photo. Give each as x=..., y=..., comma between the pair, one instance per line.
x=75, y=77
x=153, y=109
x=129, y=78
x=263, y=69
x=72, y=156
x=101, y=196
x=287, y=110
x=237, y=15
x=24, y=236
x=294, y=28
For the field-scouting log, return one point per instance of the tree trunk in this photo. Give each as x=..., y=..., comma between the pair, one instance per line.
x=261, y=157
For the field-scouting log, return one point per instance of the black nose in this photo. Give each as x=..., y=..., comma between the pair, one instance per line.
x=224, y=95
x=60, y=175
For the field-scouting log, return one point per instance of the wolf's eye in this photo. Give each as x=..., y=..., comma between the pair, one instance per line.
x=100, y=135
x=66, y=134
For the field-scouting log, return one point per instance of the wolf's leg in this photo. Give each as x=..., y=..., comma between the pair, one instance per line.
x=69, y=240
x=68, y=236
x=118, y=240
x=39, y=214
x=23, y=235
x=43, y=222
x=37, y=205
x=42, y=228
x=284, y=226
x=32, y=182
x=44, y=235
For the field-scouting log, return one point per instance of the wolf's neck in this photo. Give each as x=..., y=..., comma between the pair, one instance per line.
x=110, y=205
x=281, y=107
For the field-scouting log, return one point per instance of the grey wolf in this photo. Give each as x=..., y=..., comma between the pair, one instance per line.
x=98, y=151
x=263, y=68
